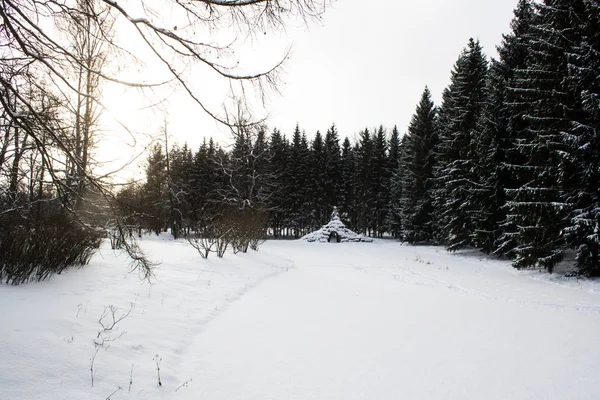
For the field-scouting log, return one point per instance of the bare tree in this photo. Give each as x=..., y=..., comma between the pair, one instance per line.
x=91, y=50
x=247, y=189
x=63, y=46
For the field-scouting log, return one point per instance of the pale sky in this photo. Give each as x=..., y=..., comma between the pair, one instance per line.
x=365, y=65
x=368, y=65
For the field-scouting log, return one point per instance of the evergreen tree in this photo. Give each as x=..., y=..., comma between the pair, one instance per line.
x=380, y=182
x=500, y=130
x=279, y=206
x=364, y=196
x=394, y=150
x=583, y=226
x=416, y=202
x=348, y=187
x=298, y=182
x=181, y=169
x=155, y=190
x=332, y=168
x=206, y=178
x=462, y=104
x=239, y=166
x=264, y=180
x=541, y=206
x=491, y=143
x=318, y=181
x=515, y=47
x=307, y=205
x=505, y=120
x=392, y=167
x=395, y=210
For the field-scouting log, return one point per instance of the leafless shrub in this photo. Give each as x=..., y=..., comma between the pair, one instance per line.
x=249, y=228
x=212, y=238
x=36, y=245
x=203, y=245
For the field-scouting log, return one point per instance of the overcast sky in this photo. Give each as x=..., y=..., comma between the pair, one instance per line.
x=366, y=64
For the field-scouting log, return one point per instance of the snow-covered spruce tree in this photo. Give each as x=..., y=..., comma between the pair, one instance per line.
x=265, y=185
x=505, y=120
x=347, y=202
x=261, y=152
x=278, y=167
x=416, y=202
x=156, y=190
x=583, y=228
x=394, y=149
x=332, y=168
x=318, y=181
x=540, y=208
x=461, y=108
x=515, y=47
x=364, y=176
x=181, y=166
x=393, y=160
x=380, y=182
x=394, y=217
x=205, y=177
x=298, y=164
x=307, y=206
x=490, y=143
x=498, y=128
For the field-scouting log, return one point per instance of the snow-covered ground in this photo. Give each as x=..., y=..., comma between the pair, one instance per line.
x=301, y=320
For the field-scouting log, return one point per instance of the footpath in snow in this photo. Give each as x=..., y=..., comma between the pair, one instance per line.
x=385, y=321
x=304, y=320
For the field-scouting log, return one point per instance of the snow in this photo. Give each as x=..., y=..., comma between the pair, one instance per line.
x=300, y=320
x=336, y=226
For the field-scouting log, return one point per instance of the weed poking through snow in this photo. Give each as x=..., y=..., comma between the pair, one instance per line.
x=109, y=396
x=158, y=360
x=108, y=321
x=130, y=379
x=184, y=384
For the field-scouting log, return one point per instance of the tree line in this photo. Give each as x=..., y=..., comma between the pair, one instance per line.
x=508, y=163
x=294, y=183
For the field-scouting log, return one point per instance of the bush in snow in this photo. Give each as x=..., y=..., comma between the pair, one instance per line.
x=41, y=242
x=240, y=228
x=249, y=228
